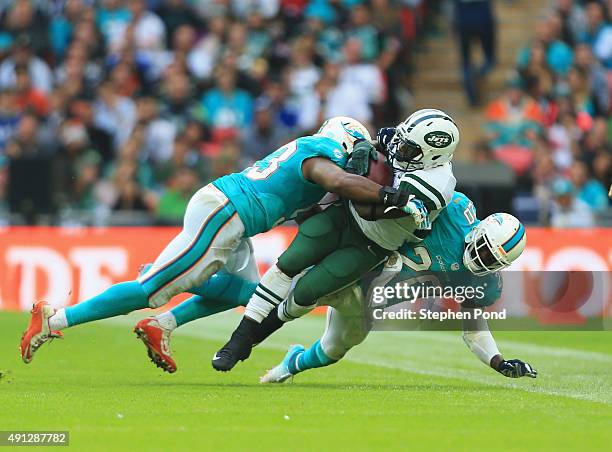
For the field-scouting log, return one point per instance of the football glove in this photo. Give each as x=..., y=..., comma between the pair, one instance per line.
x=417, y=210
x=390, y=196
x=515, y=368
x=359, y=163
x=384, y=136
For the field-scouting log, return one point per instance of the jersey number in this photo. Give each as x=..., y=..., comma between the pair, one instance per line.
x=470, y=213
x=281, y=155
x=423, y=254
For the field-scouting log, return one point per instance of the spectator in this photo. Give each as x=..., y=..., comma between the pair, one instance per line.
x=184, y=155
x=361, y=29
x=566, y=210
x=114, y=113
x=22, y=18
x=99, y=139
x=597, y=78
x=175, y=198
x=21, y=55
x=225, y=105
x=176, y=14
x=146, y=31
x=9, y=117
x=559, y=55
x=598, y=33
x=580, y=91
x=588, y=190
x=158, y=132
x=263, y=136
x=360, y=88
x=62, y=26
x=474, y=21
x=573, y=20
x=123, y=94
x=113, y=19
x=27, y=97
x=29, y=140
x=514, y=118
x=203, y=56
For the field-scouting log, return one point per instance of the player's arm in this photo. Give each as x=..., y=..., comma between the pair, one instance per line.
x=334, y=179
x=479, y=340
x=373, y=212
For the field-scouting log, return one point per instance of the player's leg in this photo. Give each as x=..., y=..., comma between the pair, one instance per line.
x=221, y=292
x=211, y=229
x=345, y=329
x=316, y=238
x=336, y=271
x=230, y=287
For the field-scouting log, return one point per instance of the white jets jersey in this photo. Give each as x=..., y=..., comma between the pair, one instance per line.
x=434, y=187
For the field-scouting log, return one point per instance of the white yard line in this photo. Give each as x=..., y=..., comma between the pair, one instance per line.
x=440, y=355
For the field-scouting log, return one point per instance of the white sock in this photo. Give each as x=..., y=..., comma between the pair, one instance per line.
x=166, y=320
x=58, y=321
x=271, y=291
x=289, y=310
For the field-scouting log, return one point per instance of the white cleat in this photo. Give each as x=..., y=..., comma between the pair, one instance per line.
x=281, y=373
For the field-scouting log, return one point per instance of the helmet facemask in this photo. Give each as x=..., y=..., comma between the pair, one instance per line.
x=404, y=154
x=481, y=255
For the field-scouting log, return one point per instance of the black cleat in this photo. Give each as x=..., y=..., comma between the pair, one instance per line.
x=238, y=348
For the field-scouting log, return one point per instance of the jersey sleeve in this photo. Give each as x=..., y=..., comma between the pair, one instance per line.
x=315, y=146
x=433, y=187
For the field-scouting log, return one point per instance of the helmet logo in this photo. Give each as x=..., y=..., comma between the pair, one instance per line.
x=352, y=132
x=497, y=217
x=438, y=139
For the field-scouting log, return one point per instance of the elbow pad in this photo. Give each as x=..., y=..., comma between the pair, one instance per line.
x=482, y=344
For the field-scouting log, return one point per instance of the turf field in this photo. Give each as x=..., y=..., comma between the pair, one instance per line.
x=417, y=391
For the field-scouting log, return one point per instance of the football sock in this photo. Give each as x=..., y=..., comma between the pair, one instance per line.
x=58, y=321
x=310, y=358
x=167, y=320
x=270, y=292
x=289, y=310
x=121, y=298
x=267, y=326
x=220, y=292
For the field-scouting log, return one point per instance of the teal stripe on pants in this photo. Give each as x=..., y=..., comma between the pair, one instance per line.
x=189, y=258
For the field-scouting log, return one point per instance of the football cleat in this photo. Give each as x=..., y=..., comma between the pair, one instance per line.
x=157, y=341
x=281, y=373
x=38, y=331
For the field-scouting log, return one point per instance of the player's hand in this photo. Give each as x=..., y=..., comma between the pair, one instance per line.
x=384, y=136
x=515, y=368
x=359, y=163
x=394, y=197
x=417, y=210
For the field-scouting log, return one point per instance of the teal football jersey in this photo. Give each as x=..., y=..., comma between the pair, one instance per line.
x=274, y=189
x=441, y=252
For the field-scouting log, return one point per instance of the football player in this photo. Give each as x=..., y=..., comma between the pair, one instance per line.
x=220, y=217
x=336, y=247
x=460, y=251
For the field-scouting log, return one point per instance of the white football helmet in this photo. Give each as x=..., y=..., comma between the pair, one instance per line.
x=494, y=244
x=428, y=138
x=346, y=131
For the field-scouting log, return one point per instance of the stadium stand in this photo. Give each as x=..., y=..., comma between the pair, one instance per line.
x=131, y=105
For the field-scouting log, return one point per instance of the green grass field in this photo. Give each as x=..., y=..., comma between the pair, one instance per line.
x=418, y=391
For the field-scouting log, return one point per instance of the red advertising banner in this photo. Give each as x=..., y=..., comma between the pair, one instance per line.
x=68, y=265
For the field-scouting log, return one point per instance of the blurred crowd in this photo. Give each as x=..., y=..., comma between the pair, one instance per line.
x=553, y=123
x=114, y=106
